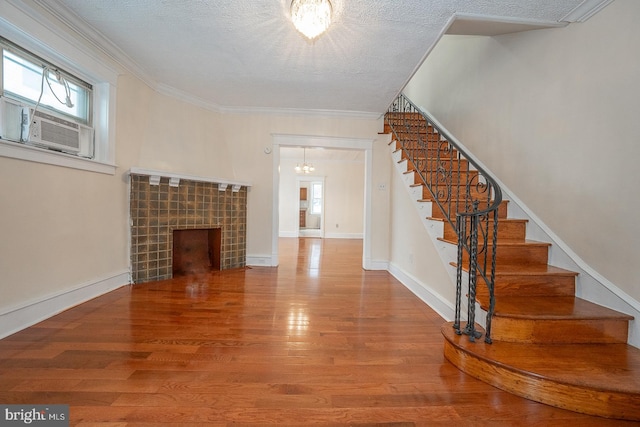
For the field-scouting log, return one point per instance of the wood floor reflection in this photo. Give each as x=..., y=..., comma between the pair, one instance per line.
x=317, y=341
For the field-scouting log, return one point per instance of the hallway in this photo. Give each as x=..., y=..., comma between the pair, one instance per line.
x=317, y=341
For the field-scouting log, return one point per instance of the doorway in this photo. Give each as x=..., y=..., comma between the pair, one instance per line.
x=292, y=140
x=311, y=207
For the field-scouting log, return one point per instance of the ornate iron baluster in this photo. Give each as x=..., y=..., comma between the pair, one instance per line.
x=469, y=200
x=470, y=329
x=461, y=231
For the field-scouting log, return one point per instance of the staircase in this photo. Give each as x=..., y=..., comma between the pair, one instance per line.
x=545, y=344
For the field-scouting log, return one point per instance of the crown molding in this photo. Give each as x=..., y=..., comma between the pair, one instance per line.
x=93, y=37
x=181, y=95
x=33, y=27
x=105, y=46
x=303, y=112
x=172, y=92
x=586, y=10
x=199, y=102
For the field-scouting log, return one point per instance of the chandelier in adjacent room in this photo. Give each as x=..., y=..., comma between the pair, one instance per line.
x=311, y=17
x=306, y=167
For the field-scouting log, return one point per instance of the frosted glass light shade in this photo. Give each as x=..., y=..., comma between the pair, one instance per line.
x=311, y=17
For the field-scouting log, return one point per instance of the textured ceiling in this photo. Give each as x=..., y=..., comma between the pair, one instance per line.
x=246, y=55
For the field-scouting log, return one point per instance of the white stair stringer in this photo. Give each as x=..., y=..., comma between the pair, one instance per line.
x=435, y=228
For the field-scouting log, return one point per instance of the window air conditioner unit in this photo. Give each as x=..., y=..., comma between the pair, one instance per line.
x=54, y=132
x=19, y=123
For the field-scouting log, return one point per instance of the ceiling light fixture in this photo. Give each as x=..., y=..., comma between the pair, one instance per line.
x=306, y=167
x=311, y=17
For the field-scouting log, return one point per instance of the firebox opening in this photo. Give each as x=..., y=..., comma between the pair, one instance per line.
x=196, y=251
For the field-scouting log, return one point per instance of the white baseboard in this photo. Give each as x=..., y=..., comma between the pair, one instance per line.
x=434, y=300
x=288, y=234
x=317, y=233
x=16, y=319
x=343, y=235
x=261, y=261
x=373, y=264
x=311, y=232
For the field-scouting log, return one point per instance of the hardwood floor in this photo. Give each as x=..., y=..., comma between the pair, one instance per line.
x=317, y=341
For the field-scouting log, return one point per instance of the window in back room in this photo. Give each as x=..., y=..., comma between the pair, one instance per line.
x=316, y=198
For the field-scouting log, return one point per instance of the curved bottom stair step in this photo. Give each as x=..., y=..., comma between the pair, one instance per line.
x=594, y=379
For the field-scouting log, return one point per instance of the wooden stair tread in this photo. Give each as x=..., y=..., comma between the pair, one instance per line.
x=560, y=307
x=453, y=201
x=533, y=270
x=528, y=270
x=443, y=159
x=596, y=379
x=526, y=242
x=513, y=220
x=526, y=280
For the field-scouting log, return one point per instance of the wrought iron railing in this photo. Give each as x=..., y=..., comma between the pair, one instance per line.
x=467, y=196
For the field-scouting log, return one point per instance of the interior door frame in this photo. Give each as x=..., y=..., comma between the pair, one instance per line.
x=294, y=140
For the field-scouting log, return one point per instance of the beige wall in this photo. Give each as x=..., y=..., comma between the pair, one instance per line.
x=159, y=132
x=247, y=135
x=344, y=195
x=155, y=131
x=61, y=228
x=65, y=229
x=553, y=113
x=414, y=253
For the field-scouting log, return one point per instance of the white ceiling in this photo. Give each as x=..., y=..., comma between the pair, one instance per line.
x=246, y=55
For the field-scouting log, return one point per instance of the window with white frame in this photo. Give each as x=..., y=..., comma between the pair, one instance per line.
x=52, y=80
x=34, y=81
x=44, y=105
x=316, y=198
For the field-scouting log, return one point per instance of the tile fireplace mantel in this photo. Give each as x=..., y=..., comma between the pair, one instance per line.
x=175, y=178
x=162, y=202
